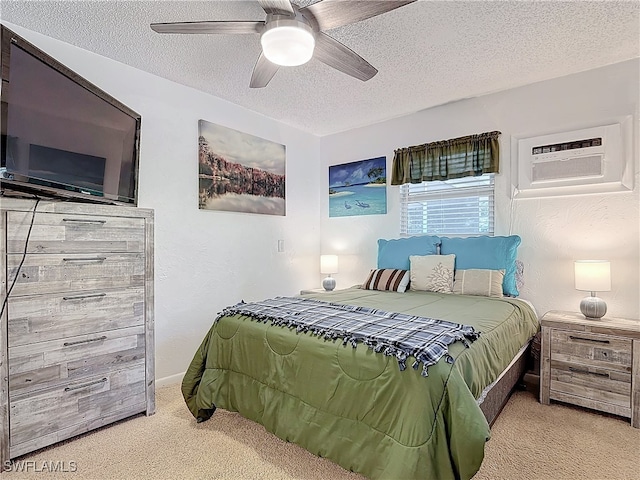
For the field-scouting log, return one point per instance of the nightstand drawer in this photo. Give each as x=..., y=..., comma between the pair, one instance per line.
x=594, y=350
x=589, y=382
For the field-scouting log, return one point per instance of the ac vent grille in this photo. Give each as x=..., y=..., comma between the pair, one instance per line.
x=557, y=147
x=577, y=167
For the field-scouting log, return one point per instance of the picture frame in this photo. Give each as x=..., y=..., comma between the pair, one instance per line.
x=239, y=172
x=358, y=188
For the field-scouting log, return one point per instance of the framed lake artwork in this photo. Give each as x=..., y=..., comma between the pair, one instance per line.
x=239, y=172
x=358, y=188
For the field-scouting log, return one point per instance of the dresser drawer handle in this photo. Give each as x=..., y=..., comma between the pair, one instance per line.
x=85, y=259
x=78, y=297
x=78, y=387
x=99, y=339
x=580, y=370
x=588, y=339
x=79, y=220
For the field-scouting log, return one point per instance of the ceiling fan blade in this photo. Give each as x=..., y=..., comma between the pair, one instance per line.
x=277, y=7
x=263, y=72
x=341, y=57
x=328, y=14
x=208, y=27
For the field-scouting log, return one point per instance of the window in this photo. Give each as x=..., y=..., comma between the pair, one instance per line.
x=461, y=206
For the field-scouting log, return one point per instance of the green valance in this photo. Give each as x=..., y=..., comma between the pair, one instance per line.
x=459, y=157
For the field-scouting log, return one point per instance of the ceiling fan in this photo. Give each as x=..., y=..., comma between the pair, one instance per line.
x=291, y=35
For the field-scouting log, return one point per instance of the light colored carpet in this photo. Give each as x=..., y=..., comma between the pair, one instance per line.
x=529, y=441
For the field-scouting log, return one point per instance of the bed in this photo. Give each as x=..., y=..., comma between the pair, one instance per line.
x=353, y=405
x=352, y=396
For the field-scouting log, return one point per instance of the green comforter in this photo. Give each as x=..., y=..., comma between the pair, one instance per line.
x=355, y=406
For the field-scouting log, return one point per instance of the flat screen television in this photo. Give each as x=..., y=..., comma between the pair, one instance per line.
x=61, y=136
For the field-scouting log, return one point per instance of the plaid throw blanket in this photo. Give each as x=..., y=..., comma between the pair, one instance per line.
x=393, y=334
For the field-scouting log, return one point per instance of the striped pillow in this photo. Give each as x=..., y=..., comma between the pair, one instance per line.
x=387, y=279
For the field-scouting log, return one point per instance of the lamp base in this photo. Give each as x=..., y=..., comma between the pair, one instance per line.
x=593, y=307
x=329, y=283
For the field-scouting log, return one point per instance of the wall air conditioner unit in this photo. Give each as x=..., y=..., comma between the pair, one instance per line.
x=591, y=160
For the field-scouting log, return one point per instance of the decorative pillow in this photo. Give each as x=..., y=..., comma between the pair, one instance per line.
x=519, y=274
x=387, y=279
x=432, y=273
x=492, y=253
x=487, y=283
x=395, y=253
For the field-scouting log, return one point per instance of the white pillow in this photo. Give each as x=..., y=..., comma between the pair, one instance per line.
x=487, y=283
x=432, y=273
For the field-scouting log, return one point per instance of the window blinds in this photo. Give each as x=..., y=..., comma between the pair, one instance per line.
x=461, y=206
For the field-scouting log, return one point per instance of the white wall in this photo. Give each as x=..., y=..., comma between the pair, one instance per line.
x=555, y=231
x=205, y=260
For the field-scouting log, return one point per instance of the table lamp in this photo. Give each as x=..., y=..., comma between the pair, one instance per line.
x=329, y=265
x=593, y=276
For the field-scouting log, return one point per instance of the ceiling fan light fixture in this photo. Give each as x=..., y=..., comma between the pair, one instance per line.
x=288, y=43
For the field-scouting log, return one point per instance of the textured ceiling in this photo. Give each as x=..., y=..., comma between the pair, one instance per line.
x=427, y=53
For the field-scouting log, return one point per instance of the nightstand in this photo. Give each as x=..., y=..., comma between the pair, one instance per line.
x=312, y=290
x=591, y=363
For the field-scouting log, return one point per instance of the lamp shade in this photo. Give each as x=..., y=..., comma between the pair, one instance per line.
x=328, y=264
x=593, y=275
x=288, y=42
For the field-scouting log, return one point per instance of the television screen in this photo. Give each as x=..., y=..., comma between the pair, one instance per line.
x=67, y=168
x=61, y=132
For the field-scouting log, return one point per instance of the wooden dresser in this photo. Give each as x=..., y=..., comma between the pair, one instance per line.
x=76, y=331
x=591, y=363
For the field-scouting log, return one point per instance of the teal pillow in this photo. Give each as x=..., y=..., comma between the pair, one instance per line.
x=395, y=253
x=492, y=253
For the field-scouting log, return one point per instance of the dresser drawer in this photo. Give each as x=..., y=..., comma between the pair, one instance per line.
x=595, y=350
x=73, y=233
x=33, y=319
x=58, y=412
x=61, y=362
x=41, y=274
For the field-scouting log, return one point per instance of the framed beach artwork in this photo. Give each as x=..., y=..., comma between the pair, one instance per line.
x=239, y=172
x=358, y=188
